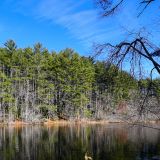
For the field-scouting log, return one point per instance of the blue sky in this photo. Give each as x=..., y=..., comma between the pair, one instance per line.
x=58, y=24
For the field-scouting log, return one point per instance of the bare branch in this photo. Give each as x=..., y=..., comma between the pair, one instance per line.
x=108, y=7
x=137, y=47
x=146, y=3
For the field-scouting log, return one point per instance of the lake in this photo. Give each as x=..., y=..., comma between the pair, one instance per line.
x=73, y=142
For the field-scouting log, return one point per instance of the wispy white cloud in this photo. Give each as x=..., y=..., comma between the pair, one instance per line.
x=83, y=24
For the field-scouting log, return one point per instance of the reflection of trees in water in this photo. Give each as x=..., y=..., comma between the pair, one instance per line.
x=72, y=142
x=129, y=142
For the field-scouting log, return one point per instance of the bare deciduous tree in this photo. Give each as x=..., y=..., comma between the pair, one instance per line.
x=135, y=51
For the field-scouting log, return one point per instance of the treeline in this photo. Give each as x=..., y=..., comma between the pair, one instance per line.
x=36, y=84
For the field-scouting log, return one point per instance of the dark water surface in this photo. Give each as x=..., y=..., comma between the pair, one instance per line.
x=71, y=142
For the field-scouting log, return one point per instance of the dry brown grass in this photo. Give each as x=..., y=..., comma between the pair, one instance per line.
x=49, y=122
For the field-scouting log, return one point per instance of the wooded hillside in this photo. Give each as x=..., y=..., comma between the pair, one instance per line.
x=37, y=84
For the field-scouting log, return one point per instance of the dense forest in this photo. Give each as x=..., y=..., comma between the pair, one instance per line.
x=37, y=84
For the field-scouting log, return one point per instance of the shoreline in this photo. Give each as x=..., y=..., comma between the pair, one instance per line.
x=49, y=122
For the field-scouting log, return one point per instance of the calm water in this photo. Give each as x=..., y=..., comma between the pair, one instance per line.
x=102, y=142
